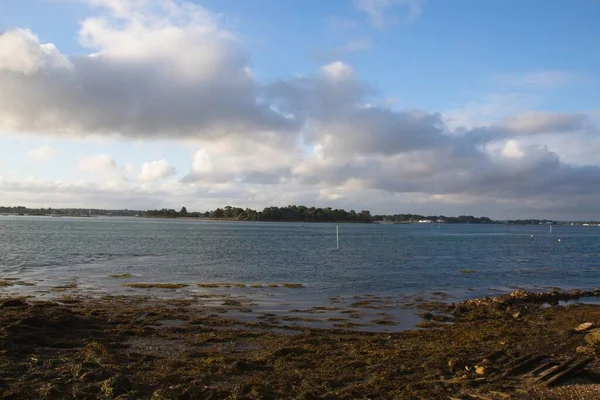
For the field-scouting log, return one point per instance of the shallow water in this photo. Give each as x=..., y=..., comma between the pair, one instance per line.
x=380, y=259
x=372, y=258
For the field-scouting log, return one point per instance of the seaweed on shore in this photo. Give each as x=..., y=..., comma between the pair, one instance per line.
x=120, y=276
x=115, y=348
x=218, y=285
x=143, y=285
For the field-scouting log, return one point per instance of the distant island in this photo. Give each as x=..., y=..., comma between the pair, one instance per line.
x=291, y=213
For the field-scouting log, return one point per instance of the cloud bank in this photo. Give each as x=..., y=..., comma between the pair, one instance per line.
x=164, y=69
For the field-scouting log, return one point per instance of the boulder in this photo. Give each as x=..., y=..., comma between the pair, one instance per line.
x=584, y=327
x=593, y=338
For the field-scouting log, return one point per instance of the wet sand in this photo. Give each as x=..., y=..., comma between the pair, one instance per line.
x=143, y=346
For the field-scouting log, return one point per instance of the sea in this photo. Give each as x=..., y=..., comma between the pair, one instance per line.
x=385, y=260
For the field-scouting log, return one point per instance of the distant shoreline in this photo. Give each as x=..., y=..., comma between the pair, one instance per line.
x=513, y=223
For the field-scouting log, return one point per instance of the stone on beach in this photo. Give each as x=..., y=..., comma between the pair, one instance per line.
x=593, y=338
x=585, y=350
x=584, y=327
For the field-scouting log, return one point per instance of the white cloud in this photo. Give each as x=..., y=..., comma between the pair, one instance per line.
x=156, y=170
x=99, y=164
x=21, y=52
x=379, y=10
x=157, y=68
x=513, y=149
x=337, y=71
x=170, y=70
x=244, y=161
x=42, y=153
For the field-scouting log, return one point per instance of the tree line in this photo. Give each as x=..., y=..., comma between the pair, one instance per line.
x=291, y=213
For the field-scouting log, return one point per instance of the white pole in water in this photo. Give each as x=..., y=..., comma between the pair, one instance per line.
x=337, y=236
x=550, y=228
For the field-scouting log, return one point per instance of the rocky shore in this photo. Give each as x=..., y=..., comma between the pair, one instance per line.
x=128, y=347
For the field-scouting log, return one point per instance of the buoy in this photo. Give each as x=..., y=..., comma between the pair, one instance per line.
x=559, y=240
x=531, y=235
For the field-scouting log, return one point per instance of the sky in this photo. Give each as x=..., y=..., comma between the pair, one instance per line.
x=396, y=106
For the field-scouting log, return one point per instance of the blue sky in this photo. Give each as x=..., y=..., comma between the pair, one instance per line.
x=479, y=107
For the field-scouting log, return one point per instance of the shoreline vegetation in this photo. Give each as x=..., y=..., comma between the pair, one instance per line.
x=522, y=345
x=291, y=213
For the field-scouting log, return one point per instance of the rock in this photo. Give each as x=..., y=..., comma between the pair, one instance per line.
x=13, y=303
x=584, y=327
x=480, y=370
x=455, y=364
x=501, y=299
x=593, y=338
x=585, y=350
x=517, y=315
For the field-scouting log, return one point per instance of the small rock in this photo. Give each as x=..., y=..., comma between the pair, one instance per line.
x=593, y=338
x=516, y=315
x=585, y=350
x=501, y=299
x=455, y=364
x=584, y=327
x=480, y=370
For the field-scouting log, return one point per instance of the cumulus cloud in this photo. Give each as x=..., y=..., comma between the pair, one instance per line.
x=156, y=170
x=21, y=52
x=244, y=161
x=42, y=153
x=157, y=68
x=169, y=69
x=411, y=151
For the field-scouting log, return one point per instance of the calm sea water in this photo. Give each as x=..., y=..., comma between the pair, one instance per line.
x=380, y=259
